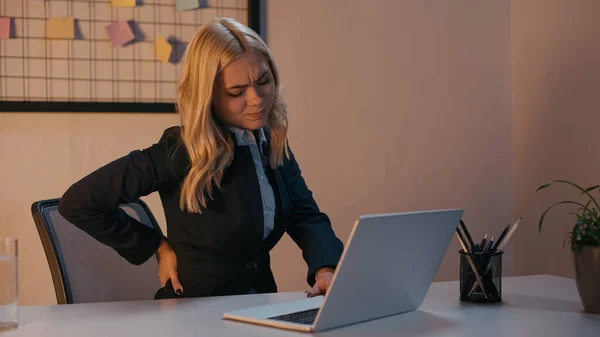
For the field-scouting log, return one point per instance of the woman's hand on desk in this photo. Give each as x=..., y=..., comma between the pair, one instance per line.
x=167, y=266
x=323, y=279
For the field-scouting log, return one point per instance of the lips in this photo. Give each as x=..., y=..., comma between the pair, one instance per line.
x=257, y=114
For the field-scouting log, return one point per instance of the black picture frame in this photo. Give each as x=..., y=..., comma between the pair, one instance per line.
x=254, y=22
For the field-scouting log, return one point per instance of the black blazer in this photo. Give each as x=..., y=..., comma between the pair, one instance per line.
x=219, y=252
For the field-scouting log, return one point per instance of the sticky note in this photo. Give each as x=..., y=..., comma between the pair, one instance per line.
x=60, y=28
x=184, y=5
x=119, y=33
x=163, y=49
x=4, y=28
x=123, y=3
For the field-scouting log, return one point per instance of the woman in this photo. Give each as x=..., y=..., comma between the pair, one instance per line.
x=229, y=184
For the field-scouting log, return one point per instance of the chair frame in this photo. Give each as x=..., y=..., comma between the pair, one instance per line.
x=61, y=283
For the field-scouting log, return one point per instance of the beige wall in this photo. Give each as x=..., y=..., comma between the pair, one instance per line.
x=555, y=69
x=394, y=106
x=41, y=155
x=397, y=106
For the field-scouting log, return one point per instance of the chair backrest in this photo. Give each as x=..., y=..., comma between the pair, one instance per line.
x=85, y=270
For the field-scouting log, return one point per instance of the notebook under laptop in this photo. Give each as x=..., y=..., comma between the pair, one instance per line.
x=386, y=268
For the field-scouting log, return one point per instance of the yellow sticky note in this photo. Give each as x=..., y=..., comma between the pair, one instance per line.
x=123, y=3
x=60, y=28
x=163, y=49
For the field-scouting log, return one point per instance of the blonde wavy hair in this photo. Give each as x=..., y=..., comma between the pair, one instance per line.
x=209, y=146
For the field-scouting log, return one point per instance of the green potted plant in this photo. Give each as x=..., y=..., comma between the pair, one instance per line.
x=585, y=244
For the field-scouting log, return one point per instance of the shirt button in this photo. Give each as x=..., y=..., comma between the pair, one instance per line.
x=261, y=177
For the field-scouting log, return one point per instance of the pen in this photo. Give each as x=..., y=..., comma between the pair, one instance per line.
x=467, y=235
x=502, y=235
x=463, y=243
x=460, y=239
x=510, y=233
x=464, y=240
x=482, y=244
x=488, y=246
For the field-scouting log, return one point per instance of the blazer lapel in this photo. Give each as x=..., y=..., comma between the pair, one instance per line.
x=280, y=187
x=284, y=197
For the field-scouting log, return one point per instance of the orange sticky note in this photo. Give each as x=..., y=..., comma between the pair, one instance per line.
x=163, y=49
x=60, y=28
x=123, y=3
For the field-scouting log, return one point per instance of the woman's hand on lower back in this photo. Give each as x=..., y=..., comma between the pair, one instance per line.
x=167, y=266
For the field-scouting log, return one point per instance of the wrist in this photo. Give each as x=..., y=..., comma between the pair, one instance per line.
x=164, y=246
x=324, y=269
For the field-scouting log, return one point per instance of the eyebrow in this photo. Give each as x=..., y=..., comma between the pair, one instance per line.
x=242, y=86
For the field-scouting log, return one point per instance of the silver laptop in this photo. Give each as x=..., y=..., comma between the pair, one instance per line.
x=386, y=268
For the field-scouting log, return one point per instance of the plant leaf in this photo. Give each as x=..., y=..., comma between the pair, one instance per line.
x=578, y=216
x=544, y=186
x=556, y=204
x=574, y=185
x=570, y=183
x=589, y=189
x=565, y=241
x=560, y=181
x=584, y=211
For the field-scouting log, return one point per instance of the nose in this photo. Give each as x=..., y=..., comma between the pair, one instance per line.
x=253, y=97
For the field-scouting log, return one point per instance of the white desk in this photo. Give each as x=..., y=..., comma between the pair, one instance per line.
x=533, y=306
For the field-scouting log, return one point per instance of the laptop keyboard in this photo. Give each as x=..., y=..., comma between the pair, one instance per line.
x=302, y=317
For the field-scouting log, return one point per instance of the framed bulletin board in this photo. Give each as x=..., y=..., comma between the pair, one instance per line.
x=61, y=55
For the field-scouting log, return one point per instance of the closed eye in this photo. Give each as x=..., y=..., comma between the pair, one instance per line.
x=262, y=80
x=235, y=94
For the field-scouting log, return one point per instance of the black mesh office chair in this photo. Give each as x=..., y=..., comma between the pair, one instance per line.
x=84, y=270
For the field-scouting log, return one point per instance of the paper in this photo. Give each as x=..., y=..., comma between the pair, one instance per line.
x=4, y=28
x=123, y=3
x=60, y=28
x=184, y=5
x=163, y=49
x=119, y=33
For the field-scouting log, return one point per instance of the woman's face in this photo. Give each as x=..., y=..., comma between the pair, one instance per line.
x=244, y=92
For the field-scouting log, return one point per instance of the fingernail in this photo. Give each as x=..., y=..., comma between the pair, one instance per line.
x=178, y=292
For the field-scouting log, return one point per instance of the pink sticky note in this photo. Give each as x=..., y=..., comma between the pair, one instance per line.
x=4, y=28
x=119, y=33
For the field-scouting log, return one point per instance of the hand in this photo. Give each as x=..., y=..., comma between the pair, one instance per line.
x=323, y=279
x=167, y=266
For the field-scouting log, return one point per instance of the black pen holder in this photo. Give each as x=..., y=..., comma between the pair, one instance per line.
x=481, y=277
